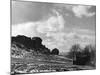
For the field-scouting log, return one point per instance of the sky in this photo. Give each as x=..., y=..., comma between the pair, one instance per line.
x=59, y=25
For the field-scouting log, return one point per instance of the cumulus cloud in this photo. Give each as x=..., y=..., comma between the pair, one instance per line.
x=27, y=29
x=64, y=40
x=78, y=10
x=81, y=11
x=58, y=36
x=52, y=24
x=81, y=34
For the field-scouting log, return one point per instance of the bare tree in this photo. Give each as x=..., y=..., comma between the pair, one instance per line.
x=75, y=49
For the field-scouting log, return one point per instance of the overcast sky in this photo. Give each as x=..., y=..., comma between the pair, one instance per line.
x=59, y=25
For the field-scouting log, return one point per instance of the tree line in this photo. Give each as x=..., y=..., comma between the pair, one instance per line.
x=86, y=56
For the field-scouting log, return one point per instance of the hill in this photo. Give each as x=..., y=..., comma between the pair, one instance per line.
x=28, y=55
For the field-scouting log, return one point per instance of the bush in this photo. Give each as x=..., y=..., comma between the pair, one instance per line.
x=55, y=51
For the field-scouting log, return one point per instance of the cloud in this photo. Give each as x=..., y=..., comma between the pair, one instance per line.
x=52, y=24
x=80, y=36
x=81, y=11
x=55, y=40
x=27, y=29
x=64, y=40
x=78, y=10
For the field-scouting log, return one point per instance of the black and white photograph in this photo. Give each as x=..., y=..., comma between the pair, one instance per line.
x=52, y=37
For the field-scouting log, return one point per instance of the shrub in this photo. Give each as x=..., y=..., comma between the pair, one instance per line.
x=55, y=51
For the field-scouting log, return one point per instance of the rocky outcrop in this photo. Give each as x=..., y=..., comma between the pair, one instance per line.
x=21, y=45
